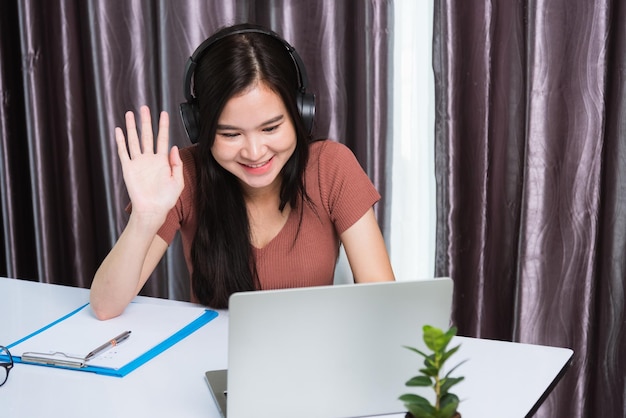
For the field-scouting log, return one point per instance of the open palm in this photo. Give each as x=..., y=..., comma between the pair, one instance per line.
x=154, y=178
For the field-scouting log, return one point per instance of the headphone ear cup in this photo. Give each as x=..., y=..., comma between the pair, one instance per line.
x=306, y=107
x=190, y=115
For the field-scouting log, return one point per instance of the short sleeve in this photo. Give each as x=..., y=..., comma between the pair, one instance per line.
x=345, y=189
x=183, y=209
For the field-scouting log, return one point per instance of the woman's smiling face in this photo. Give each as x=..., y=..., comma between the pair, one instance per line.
x=255, y=137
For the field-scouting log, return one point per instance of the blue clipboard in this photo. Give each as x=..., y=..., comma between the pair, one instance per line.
x=61, y=360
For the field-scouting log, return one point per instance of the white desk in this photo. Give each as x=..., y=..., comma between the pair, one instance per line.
x=173, y=385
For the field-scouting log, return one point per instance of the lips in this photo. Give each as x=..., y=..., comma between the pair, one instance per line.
x=257, y=165
x=258, y=168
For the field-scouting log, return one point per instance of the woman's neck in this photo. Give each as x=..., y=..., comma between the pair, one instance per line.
x=262, y=197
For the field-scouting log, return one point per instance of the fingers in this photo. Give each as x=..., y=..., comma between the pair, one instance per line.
x=131, y=132
x=122, y=152
x=137, y=146
x=147, y=137
x=177, y=165
x=163, y=136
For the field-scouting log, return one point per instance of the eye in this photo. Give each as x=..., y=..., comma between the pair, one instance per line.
x=270, y=129
x=228, y=134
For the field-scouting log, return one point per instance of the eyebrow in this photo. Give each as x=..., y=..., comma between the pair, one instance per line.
x=267, y=122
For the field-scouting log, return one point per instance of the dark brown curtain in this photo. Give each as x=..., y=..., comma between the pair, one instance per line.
x=531, y=173
x=69, y=69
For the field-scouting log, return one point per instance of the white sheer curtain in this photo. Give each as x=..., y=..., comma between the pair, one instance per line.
x=411, y=235
x=413, y=206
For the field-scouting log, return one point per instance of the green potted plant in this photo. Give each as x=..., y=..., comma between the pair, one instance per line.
x=446, y=403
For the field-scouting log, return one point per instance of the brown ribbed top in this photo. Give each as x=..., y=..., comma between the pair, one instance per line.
x=341, y=193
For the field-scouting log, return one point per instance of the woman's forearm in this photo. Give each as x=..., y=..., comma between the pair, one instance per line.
x=126, y=268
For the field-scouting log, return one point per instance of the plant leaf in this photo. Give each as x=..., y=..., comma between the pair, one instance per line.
x=448, y=410
x=430, y=371
x=448, y=382
x=418, y=406
x=413, y=399
x=416, y=350
x=451, y=332
x=447, y=400
x=454, y=368
x=418, y=412
x=432, y=336
x=449, y=353
x=431, y=361
x=419, y=381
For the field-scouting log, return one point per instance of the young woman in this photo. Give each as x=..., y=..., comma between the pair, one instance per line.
x=258, y=205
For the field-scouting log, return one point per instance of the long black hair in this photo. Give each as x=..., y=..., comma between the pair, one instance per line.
x=221, y=253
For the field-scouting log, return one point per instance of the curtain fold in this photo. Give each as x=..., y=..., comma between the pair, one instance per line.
x=70, y=69
x=530, y=164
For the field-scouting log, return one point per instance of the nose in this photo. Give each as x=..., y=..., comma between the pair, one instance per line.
x=253, y=148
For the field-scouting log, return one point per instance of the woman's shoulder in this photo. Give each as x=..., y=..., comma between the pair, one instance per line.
x=189, y=153
x=188, y=157
x=337, y=179
x=326, y=145
x=331, y=155
x=325, y=150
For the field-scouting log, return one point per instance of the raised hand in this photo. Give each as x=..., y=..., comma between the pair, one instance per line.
x=154, y=178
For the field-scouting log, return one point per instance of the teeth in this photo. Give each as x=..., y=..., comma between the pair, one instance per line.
x=256, y=165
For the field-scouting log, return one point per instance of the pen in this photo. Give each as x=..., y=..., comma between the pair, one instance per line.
x=111, y=343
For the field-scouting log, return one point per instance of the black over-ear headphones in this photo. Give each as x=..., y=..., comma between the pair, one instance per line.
x=189, y=110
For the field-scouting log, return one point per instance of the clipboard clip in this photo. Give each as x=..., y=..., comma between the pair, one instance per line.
x=56, y=358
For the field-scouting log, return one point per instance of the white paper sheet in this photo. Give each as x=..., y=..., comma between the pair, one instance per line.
x=82, y=332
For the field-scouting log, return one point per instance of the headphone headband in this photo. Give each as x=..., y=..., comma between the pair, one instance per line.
x=189, y=110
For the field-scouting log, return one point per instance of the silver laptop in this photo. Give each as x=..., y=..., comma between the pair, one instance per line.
x=331, y=351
